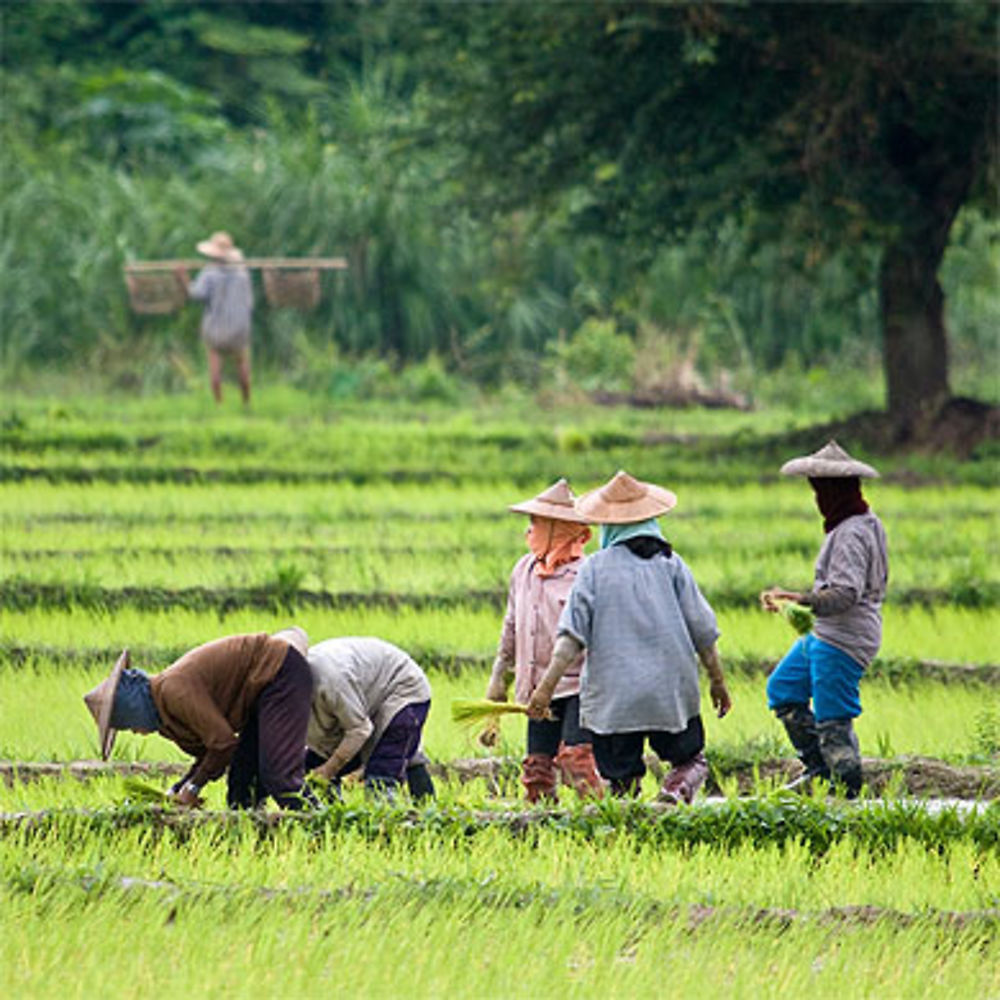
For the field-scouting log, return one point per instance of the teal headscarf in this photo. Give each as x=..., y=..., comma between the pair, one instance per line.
x=612, y=534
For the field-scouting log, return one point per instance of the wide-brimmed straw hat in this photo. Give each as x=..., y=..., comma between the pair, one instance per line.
x=101, y=701
x=220, y=246
x=830, y=462
x=557, y=502
x=625, y=500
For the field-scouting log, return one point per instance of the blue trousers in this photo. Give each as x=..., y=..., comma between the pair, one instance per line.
x=813, y=670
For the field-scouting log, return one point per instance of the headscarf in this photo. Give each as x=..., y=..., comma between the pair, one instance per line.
x=612, y=534
x=554, y=543
x=838, y=498
x=133, y=706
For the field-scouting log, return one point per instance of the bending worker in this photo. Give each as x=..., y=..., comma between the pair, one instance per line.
x=370, y=702
x=540, y=584
x=637, y=611
x=814, y=690
x=239, y=704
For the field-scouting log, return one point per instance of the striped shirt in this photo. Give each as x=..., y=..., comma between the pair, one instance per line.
x=228, y=297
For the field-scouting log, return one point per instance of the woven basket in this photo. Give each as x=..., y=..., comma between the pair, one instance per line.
x=298, y=289
x=154, y=294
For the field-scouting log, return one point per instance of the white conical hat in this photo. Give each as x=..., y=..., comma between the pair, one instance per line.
x=557, y=502
x=830, y=462
x=625, y=500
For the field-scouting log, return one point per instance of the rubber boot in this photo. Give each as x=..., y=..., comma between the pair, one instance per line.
x=800, y=725
x=538, y=775
x=578, y=769
x=419, y=782
x=683, y=780
x=842, y=754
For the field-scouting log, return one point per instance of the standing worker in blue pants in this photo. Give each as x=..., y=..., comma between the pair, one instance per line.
x=825, y=667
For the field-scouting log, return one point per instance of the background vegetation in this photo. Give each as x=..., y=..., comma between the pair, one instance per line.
x=131, y=131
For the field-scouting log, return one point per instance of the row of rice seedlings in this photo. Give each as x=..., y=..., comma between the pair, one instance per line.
x=341, y=499
x=894, y=721
x=622, y=868
x=954, y=635
x=464, y=948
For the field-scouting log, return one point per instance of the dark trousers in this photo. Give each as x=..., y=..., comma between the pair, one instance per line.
x=619, y=755
x=268, y=760
x=545, y=735
x=394, y=757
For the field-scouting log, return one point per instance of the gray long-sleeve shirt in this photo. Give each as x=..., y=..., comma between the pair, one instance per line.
x=227, y=293
x=642, y=622
x=359, y=684
x=853, y=569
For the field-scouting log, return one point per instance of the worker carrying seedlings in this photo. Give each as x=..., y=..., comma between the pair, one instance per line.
x=239, y=704
x=636, y=609
x=225, y=288
x=825, y=666
x=540, y=584
x=370, y=702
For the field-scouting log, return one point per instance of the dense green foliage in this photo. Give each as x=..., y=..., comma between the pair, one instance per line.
x=130, y=132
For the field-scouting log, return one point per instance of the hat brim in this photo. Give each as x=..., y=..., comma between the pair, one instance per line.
x=553, y=511
x=826, y=468
x=208, y=249
x=597, y=510
x=104, y=698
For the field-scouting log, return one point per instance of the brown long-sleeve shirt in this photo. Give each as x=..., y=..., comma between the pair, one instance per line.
x=205, y=698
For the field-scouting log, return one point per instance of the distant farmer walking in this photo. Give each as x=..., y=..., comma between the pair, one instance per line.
x=637, y=611
x=239, y=703
x=540, y=584
x=825, y=667
x=225, y=288
x=370, y=702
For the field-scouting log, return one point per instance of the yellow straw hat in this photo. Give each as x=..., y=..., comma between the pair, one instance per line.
x=220, y=246
x=625, y=500
x=101, y=700
x=557, y=502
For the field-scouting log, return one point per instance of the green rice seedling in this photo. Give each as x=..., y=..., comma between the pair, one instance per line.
x=799, y=617
x=473, y=711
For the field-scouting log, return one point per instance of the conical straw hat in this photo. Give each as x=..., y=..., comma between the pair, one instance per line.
x=830, y=462
x=625, y=500
x=557, y=502
x=101, y=700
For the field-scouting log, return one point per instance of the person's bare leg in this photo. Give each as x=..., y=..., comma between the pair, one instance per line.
x=243, y=366
x=215, y=373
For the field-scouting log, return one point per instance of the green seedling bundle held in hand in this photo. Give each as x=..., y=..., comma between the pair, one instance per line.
x=799, y=617
x=472, y=711
x=143, y=793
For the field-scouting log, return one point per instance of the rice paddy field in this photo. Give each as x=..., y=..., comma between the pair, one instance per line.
x=162, y=523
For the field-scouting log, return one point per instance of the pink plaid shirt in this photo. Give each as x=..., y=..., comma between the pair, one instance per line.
x=534, y=604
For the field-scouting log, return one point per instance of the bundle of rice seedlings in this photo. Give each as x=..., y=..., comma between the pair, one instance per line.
x=470, y=711
x=139, y=791
x=799, y=617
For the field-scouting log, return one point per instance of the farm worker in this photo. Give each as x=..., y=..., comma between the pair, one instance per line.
x=224, y=286
x=370, y=701
x=825, y=666
x=539, y=586
x=636, y=609
x=240, y=703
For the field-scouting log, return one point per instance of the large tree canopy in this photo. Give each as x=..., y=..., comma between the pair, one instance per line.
x=849, y=123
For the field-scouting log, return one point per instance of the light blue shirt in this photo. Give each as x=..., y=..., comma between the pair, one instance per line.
x=642, y=622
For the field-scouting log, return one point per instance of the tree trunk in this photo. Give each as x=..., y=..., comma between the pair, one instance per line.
x=915, y=343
